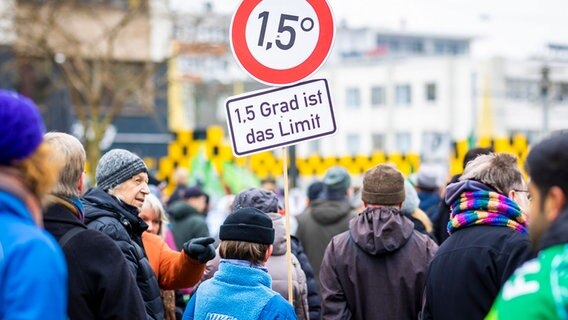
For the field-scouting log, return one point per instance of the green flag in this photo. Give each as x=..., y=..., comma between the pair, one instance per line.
x=238, y=178
x=203, y=174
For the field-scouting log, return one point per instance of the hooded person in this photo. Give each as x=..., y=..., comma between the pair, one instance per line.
x=326, y=216
x=112, y=207
x=33, y=273
x=241, y=288
x=304, y=286
x=381, y=258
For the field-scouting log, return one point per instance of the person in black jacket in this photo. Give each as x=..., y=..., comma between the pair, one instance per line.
x=113, y=206
x=314, y=299
x=488, y=239
x=441, y=224
x=100, y=285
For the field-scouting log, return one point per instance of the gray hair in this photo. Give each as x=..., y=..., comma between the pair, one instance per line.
x=153, y=203
x=71, y=153
x=499, y=171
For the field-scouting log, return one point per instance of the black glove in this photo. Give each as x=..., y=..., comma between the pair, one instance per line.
x=200, y=249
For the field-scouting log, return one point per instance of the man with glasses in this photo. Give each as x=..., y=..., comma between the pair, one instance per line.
x=488, y=239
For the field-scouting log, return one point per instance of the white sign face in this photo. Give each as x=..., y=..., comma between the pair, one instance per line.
x=284, y=34
x=268, y=119
x=280, y=42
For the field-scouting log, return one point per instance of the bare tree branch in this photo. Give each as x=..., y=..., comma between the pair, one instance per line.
x=90, y=46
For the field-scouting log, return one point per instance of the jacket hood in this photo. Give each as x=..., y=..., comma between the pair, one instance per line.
x=329, y=211
x=98, y=204
x=557, y=233
x=181, y=210
x=380, y=230
x=454, y=190
x=278, y=223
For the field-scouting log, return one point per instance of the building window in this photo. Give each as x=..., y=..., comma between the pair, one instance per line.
x=403, y=142
x=560, y=92
x=522, y=89
x=403, y=95
x=431, y=92
x=377, y=96
x=353, y=143
x=353, y=97
x=378, y=141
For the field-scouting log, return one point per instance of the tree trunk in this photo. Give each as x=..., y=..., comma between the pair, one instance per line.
x=93, y=156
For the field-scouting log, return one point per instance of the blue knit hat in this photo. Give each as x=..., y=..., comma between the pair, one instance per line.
x=411, y=200
x=337, y=179
x=21, y=127
x=117, y=166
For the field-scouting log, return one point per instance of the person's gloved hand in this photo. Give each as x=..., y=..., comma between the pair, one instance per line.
x=200, y=249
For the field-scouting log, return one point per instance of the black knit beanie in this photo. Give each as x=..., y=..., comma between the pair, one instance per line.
x=249, y=225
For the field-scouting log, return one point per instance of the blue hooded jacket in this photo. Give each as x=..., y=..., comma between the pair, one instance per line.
x=33, y=273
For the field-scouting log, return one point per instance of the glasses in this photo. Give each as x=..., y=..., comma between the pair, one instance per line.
x=524, y=191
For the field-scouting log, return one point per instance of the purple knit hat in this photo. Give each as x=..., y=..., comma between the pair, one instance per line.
x=21, y=127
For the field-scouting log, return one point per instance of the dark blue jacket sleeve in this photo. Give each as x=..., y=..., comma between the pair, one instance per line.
x=314, y=298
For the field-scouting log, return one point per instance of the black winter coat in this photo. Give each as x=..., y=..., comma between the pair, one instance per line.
x=469, y=269
x=120, y=222
x=314, y=299
x=99, y=282
x=441, y=224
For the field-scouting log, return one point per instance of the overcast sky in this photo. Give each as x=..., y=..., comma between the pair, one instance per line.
x=502, y=27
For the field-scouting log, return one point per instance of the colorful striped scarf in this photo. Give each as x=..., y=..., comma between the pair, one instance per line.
x=486, y=208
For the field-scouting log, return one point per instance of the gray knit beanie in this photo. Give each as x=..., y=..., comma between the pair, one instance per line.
x=117, y=166
x=383, y=185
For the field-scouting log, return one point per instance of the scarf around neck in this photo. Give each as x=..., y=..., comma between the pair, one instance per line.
x=486, y=208
x=73, y=204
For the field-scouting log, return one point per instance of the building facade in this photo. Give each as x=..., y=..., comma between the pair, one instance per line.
x=415, y=93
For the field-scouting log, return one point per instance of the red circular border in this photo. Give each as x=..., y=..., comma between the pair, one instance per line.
x=286, y=76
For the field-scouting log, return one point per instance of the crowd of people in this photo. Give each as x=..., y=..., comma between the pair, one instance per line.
x=490, y=243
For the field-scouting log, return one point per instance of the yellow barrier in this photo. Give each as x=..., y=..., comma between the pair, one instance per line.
x=181, y=150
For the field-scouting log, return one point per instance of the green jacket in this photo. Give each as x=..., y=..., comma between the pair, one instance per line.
x=319, y=224
x=187, y=223
x=537, y=290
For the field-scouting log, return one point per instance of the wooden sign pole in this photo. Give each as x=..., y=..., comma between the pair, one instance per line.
x=287, y=219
